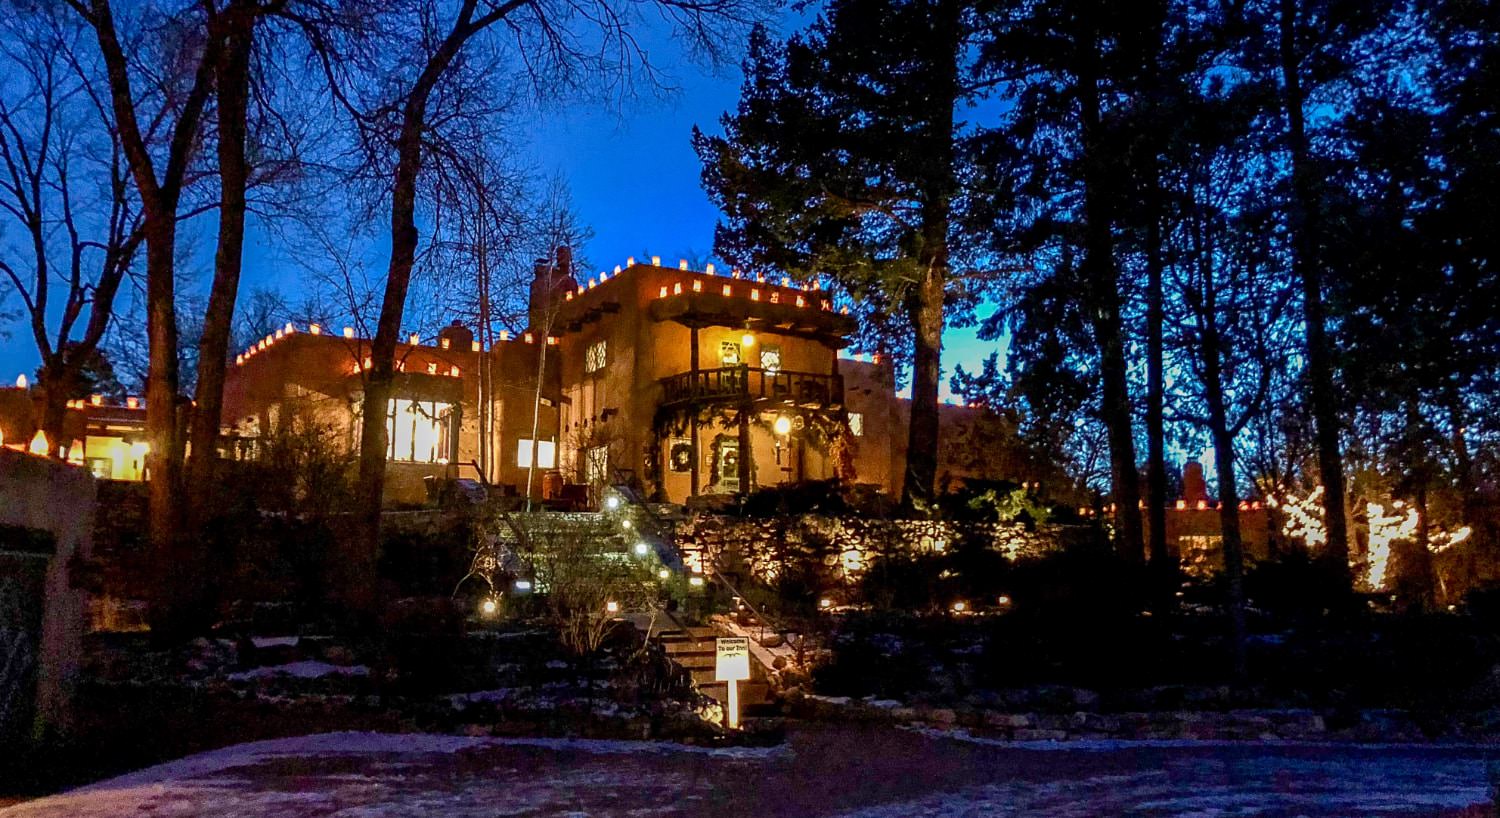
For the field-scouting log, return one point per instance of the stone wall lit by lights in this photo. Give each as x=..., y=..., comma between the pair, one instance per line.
x=847, y=545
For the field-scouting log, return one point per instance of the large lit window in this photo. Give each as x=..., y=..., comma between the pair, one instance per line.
x=597, y=462
x=418, y=430
x=546, y=454
x=857, y=424
x=596, y=356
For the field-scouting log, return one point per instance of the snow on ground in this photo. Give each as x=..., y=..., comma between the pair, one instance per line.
x=301, y=670
x=275, y=641
x=841, y=771
x=1206, y=787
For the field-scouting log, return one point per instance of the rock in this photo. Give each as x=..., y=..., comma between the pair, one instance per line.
x=1085, y=699
x=1007, y=720
x=476, y=730
x=1094, y=722
x=940, y=715
x=338, y=655
x=903, y=714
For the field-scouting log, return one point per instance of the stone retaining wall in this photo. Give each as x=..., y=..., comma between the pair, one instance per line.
x=847, y=545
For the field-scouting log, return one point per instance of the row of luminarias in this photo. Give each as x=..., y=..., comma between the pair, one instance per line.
x=414, y=340
x=773, y=296
x=93, y=400
x=1181, y=505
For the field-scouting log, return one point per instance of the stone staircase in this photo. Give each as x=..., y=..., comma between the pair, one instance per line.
x=692, y=649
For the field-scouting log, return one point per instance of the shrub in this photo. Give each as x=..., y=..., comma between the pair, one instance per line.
x=1296, y=588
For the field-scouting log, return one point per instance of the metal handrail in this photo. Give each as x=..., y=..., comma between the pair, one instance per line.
x=741, y=383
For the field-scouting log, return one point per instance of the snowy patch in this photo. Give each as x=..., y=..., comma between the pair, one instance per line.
x=301, y=670
x=1113, y=745
x=275, y=641
x=1258, y=786
x=359, y=743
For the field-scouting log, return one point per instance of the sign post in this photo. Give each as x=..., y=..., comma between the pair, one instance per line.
x=732, y=665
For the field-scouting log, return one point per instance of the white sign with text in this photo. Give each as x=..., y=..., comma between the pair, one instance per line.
x=732, y=654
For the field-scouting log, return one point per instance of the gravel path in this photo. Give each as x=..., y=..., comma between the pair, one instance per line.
x=845, y=771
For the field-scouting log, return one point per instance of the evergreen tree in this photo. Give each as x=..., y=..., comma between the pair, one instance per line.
x=844, y=159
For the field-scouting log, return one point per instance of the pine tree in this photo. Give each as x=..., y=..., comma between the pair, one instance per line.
x=844, y=159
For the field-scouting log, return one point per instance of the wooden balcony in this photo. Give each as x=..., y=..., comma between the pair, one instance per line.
x=740, y=384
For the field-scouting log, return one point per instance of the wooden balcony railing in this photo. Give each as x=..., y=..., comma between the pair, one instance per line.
x=736, y=384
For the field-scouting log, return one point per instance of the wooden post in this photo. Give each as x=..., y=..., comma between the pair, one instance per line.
x=732, y=709
x=693, y=408
x=746, y=459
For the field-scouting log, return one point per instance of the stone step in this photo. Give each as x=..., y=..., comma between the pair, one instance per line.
x=686, y=639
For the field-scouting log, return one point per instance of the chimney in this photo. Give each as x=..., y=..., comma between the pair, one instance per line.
x=552, y=279
x=1194, y=488
x=458, y=336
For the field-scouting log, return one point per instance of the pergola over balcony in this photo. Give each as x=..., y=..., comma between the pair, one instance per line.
x=740, y=385
x=754, y=306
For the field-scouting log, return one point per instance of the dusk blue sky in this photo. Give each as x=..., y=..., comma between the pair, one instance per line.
x=634, y=179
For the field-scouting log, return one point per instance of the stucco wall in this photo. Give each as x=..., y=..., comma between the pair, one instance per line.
x=42, y=494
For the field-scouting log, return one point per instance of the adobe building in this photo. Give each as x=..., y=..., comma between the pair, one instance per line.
x=700, y=383
x=455, y=411
x=1194, y=533
x=691, y=384
x=108, y=437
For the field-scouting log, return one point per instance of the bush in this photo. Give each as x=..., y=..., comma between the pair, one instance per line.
x=1294, y=588
x=903, y=581
x=422, y=642
x=884, y=655
x=1079, y=585
x=806, y=497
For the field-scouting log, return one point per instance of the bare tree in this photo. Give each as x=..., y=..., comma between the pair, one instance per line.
x=64, y=184
x=159, y=145
x=428, y=106
x=233, y=32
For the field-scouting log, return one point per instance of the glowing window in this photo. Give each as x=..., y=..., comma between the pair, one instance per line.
x=417, y=430
x=857, y=424
x=770, y=358
x=597, y=463
x=595, y=357
x=729, y=353
x=546, y=454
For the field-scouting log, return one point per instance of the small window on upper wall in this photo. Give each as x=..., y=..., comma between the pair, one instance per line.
x=729, y=353
x=596, y=356
x=857, y=424
x=770, y=358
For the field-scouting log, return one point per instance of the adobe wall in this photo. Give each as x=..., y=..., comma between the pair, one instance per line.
x=47, y=509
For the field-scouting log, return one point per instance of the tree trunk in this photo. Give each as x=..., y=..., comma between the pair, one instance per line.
x=1162, y=560
x=1102, y=285
x=1229, y=515
x=1307, y=267
x=175, y=603
x=925, y=308
x=924, y=304
x=1415, y=574
x=359, y=554
x=359, y=559
x=232, y=79
x=59, y=377
x=174, y=609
